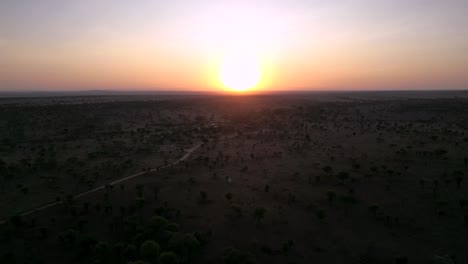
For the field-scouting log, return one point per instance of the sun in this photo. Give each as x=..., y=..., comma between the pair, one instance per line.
x=240, y=71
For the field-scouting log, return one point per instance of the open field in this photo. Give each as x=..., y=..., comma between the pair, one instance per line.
x=356, y=177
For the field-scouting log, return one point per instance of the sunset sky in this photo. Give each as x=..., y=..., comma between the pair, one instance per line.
x=182, y=45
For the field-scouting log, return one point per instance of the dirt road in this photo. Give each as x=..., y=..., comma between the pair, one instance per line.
x=77, y=196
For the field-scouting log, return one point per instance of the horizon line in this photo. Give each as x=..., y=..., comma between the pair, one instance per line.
x=107, y=92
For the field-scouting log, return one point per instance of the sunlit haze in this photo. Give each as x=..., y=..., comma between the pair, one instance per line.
x=233, y=45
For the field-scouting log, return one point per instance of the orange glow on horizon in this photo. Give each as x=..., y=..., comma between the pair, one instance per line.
x=231, y=46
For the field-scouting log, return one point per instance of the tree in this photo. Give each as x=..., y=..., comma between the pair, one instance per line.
x=139, y=188
x=138, y=262
x=158, y=223
x=184, y=244
x=43, y=233
x=463, y=203
x=173, y=227
x=191, y=243
x=317, y=179
x=287, y=246
x=102, y=251
x=203, y=197
x=459, y=180
x=130, y=252
x=374, y=209
x=343, y=176
x=168, y=257
x=237, y=209
x=401, y=260
x=116, y=251
x=149, y=250
x=331, y=196
x=235, y=256
x=86, y=245
x=422, y=183
x=320, y=214
x=327, y=169
x=259, y=214
x=68, y=238
x=17, y=221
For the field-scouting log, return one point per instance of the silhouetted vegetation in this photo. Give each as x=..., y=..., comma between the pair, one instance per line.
x=306, y=178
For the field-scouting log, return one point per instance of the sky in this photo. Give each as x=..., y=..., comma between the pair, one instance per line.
x=181, y=45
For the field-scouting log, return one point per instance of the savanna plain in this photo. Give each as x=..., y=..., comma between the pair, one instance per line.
x=300, y=177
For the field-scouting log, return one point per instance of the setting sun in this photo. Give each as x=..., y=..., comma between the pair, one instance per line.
x=240, y=71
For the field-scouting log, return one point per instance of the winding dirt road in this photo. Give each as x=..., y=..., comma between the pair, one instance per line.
x=96, y=189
